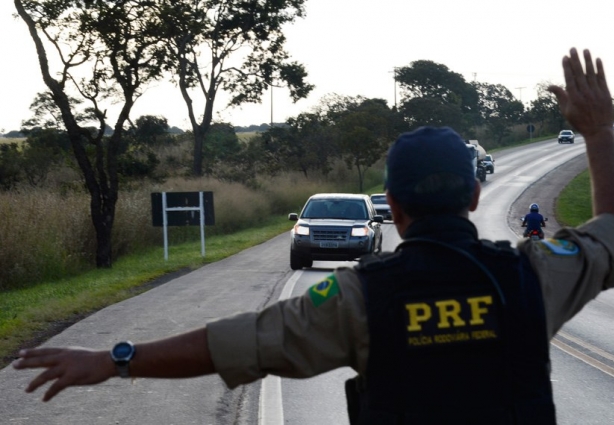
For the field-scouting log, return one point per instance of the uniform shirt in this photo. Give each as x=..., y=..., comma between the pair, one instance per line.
x=326, y=329
x=534, y=221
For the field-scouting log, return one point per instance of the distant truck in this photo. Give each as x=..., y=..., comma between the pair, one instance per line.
x=478, y=154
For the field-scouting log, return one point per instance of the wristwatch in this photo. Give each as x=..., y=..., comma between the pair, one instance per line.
x=121, y=354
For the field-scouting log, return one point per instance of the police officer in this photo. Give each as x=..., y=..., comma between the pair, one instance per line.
x=533, y=221
x=448, y=329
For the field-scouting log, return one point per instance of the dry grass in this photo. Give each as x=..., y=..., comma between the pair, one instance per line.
x=42, y=235
x=47, y=234
x=7, y=140
x=246, y=136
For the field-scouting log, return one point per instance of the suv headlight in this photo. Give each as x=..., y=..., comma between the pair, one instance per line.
x=301, y=230
x=360, y=231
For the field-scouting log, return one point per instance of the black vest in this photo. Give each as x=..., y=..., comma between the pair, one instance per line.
x=457, y=332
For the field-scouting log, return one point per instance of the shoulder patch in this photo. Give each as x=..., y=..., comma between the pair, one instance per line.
x=559, y=247
x=324, y=290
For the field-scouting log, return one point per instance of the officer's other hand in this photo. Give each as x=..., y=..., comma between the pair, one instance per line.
x=65, y=367
x=585, y=102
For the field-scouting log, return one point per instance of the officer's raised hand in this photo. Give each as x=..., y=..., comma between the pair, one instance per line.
x=585, y=102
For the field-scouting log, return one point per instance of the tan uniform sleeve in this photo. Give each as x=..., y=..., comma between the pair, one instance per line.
x=296, y=337
x=572, y=275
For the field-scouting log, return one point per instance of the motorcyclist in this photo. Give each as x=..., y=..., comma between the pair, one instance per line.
x=533, y=221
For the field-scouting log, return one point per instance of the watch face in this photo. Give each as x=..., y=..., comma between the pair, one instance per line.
x=123, y=350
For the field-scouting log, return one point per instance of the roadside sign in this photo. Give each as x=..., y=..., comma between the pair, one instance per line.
x=182, y=209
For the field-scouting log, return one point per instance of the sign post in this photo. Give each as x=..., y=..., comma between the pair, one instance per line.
x=178, y=209
x=530, y=129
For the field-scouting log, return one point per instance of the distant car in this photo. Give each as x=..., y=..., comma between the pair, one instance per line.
x=381, y=205
x=566, y=136
x=334, y=227
x=489, y=164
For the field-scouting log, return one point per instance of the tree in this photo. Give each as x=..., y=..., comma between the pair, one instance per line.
x=305, y=144
x=43, y=148
x=10, y=165
x=545, y=110
x=449, y=99
x=420, y=111
x=498, y=108
x=136, y=158
x=364, y=130
x=221, y=145
x=242, y=44
x=150, y=130
x=107, y=50
x=235, y=160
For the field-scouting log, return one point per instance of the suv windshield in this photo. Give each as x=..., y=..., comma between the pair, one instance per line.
x=335, y=208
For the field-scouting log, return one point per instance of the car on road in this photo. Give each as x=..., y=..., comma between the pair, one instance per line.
x=334, y=227
x=566, y=136
x=489, y=163
x=381, y=205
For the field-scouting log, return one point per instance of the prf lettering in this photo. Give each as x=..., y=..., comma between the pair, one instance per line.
x=448, y=312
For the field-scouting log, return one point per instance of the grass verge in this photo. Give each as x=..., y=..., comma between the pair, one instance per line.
x=574, y=204
x=30, y=316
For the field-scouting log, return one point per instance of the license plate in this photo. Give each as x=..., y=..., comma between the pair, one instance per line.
x=329, y=244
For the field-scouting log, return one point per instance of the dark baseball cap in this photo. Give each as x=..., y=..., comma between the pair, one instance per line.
x=429, y=151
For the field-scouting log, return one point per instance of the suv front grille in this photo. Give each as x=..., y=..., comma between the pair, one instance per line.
x=330, y=235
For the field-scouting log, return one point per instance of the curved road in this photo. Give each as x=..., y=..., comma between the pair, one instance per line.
x=582, y=352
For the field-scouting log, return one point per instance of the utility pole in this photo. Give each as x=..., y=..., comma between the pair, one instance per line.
x=394, y=71
x=520, y=92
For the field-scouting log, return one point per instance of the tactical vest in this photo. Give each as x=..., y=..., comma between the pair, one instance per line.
x=457, y=336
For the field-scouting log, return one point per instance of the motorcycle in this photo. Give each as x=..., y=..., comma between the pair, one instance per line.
x=534, y=234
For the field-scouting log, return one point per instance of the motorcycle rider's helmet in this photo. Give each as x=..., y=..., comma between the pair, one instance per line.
x=534, y=208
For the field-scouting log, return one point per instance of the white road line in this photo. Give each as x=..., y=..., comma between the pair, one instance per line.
x=588, y=346
x=289, y=286
x=271, y=409
x=583, y=357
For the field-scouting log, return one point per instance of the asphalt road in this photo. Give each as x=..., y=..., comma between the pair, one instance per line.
x=260, y=275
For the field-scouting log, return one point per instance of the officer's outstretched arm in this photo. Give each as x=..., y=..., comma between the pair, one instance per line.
x=180, y=356
x=587, y=104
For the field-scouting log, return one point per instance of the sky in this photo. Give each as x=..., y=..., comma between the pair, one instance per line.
x=350, y=48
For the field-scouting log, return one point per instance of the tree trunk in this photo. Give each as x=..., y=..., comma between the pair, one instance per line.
x=103, y=217
x=360, y=178
x=199, y=141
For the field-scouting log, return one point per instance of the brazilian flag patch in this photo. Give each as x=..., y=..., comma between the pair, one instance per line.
x=324, y=290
